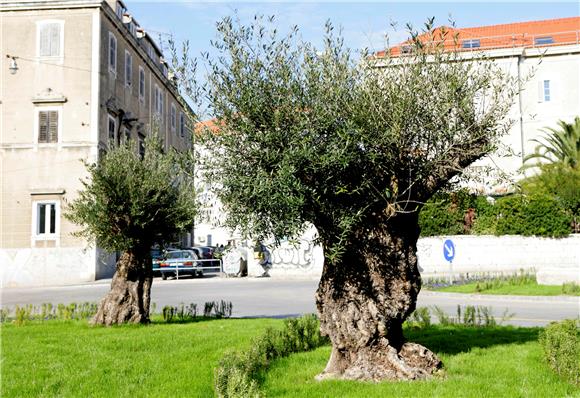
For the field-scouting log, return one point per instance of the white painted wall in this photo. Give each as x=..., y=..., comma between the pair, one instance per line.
x=554, y=260
x=507, y=254
x=28, y=267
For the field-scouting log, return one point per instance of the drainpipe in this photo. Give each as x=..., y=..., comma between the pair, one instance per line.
x=521, y=58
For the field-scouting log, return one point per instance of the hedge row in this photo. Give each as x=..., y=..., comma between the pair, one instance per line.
x=461, y=213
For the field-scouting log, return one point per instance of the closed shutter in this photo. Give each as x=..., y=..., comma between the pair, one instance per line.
x=42, y=127
x=52, y=126
x=54, y=40
x=49, y=38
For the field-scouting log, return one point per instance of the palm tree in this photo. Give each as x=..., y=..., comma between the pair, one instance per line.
x=559, y=145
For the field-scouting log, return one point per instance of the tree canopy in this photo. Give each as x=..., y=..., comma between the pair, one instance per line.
x=129, y=201
x=320, y=135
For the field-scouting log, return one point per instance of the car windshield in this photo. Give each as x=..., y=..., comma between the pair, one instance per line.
x=175, y=255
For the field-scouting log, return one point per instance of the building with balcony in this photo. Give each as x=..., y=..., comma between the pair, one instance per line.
x=77, y=76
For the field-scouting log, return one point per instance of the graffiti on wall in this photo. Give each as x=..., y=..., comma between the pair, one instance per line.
x=296, y=254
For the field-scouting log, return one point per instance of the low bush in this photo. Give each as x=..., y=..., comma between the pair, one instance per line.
x=561, y=344
x=537, y=214
x=238, y=373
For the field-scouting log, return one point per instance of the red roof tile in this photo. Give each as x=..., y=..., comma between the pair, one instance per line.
x=551, y=32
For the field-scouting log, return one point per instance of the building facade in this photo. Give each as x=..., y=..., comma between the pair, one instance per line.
x=77, y=76
x=545, y=57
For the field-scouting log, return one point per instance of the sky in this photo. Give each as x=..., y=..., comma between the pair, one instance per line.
x=364, y=24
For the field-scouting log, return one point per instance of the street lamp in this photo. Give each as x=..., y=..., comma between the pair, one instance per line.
x=13, y=68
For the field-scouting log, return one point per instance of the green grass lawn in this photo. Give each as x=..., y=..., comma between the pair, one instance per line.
x=529, y=288
x=494, y=362
x=72, y=359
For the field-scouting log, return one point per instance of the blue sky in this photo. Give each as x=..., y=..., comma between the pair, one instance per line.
x=364, y=23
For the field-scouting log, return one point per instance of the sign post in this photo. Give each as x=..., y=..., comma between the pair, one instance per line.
x=449, y=254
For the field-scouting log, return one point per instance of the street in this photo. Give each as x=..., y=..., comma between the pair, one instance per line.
x=272, y=297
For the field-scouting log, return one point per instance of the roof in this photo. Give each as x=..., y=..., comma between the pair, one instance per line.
x=546, y=33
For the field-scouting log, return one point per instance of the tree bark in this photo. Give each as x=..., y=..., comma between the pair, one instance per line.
x=130, y=295
x=364, y=300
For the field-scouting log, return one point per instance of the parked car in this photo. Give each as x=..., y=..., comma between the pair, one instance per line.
x=182, y=261
x=156, y=258
x=206, y=253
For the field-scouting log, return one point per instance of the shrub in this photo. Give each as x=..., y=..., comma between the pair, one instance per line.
x=561, y=344
x=570, y=288
x=238, y=372
x=539, y=215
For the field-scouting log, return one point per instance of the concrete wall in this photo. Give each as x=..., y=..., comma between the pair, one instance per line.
x=507, y=254
x=554, y=260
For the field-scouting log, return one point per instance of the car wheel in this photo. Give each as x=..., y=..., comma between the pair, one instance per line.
x=164, y=276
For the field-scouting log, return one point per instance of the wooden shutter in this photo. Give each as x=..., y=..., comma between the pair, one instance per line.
x=54, y=30
x=49, y=40
x=53, y=126
x=44, y=40
x=42, y=127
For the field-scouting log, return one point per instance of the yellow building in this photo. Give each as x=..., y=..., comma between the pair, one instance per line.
x=76, y=76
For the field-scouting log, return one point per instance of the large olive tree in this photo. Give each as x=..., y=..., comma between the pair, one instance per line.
x=129, y=203
x=355, y=147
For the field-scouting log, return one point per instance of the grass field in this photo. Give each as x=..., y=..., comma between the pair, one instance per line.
x=72, y=359
x=528, y=288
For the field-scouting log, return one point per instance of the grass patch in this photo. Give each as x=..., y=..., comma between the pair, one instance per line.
x=530, y=288
x=479, y=362
x=73, y=359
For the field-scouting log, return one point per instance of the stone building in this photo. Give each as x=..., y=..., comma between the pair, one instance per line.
x=77, y=76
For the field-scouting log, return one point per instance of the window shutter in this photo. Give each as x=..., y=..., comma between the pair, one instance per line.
x=54, y=39
x=44, y=45
x=52, y=126
x=42, y=127
x=541, y=91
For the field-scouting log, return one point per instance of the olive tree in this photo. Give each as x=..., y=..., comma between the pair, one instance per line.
x=128, y=204
x=354, y=146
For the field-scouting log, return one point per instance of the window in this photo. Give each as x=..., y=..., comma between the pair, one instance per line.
x=45, y=219
x=545, y=93
x=48, y=125
x=141, y=84
x=159, y=102
x=406, y=49
x=173, y=117
x=120, y=10
x=128, y=69
x=539, y=41
x=50, y=38
x=112, y=128
x=471, y=43
x=181, y=124
x=112, y=53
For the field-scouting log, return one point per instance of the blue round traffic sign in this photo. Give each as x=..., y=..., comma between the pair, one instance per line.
x=448, y=250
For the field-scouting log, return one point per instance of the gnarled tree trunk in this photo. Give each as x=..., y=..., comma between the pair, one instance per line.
x=364, y=300
x=130, y=295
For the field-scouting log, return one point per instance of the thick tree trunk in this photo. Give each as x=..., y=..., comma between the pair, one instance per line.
x=364, y=300
x=130, y=295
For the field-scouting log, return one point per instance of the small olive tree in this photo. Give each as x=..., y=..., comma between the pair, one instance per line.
x=354, y=147
x=128, y=204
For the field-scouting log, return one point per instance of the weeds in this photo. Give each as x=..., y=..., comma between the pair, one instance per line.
x=468, y=316
x=75, y=311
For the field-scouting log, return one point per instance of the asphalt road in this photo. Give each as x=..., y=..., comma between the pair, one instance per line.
x=272, y=297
